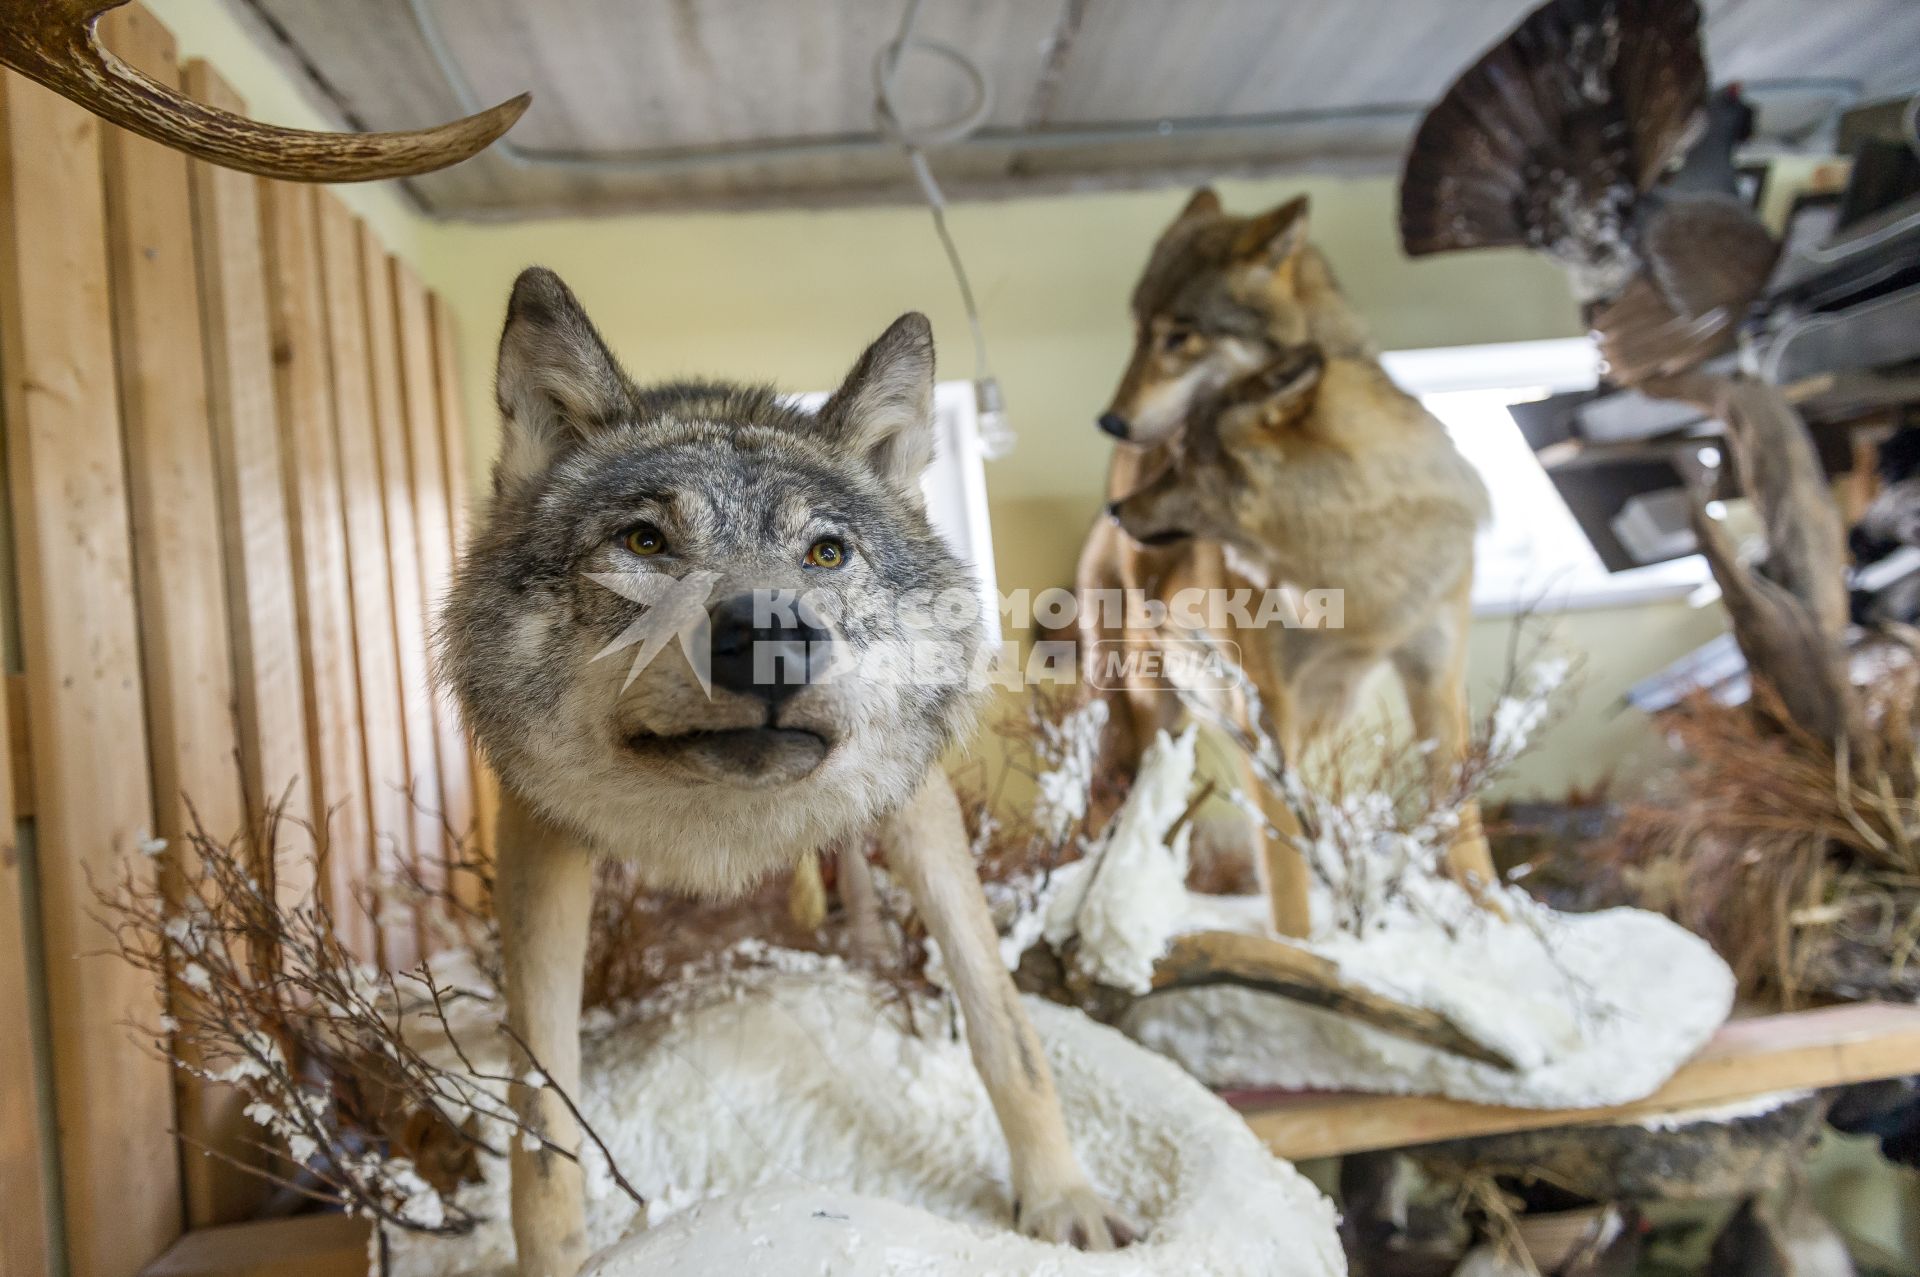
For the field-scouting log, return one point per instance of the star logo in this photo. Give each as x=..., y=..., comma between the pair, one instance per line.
x=676, y=607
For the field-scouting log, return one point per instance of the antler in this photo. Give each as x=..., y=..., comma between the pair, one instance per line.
x=54, y=42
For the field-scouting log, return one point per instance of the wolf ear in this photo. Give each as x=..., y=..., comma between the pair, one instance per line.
x=1204, y=202
x=1275, y=235
x=556, y=383
x=884, y=409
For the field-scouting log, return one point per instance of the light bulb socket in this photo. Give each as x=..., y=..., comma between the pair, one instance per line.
x=990, y=419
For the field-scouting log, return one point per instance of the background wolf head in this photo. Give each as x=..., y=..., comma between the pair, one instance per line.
x=1220, y=297
x=701, y=627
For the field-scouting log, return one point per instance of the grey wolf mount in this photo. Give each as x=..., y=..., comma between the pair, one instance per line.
x=620, y=510
x=1261, y=445
x=1588, y=134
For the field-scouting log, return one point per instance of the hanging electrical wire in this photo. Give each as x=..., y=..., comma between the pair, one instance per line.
x=996, y=436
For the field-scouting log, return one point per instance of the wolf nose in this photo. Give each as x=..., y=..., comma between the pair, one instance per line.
x=765, y=648
x=1114, y=424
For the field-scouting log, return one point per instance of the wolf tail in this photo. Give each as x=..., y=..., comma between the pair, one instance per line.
x=1550, y=137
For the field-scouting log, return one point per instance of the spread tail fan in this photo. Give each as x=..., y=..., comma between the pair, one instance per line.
x=1547, y=140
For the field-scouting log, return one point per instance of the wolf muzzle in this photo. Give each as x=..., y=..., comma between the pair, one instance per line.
x=771, y=656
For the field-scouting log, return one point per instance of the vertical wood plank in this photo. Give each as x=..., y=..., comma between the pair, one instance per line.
x=24, y=1249
x=453, y=448
x=453, y=419
x=67, y=476
x=368, y=575
x=403, y=556
x=419, y=378
x=259, y=556
x=186, y=661
x=311, y=461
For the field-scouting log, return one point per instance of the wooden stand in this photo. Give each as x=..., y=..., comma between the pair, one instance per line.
x=1802, y=1050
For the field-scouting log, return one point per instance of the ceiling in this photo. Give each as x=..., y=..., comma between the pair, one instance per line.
x=728, y=103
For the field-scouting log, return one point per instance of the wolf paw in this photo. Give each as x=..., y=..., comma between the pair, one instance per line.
x=1075, y=1217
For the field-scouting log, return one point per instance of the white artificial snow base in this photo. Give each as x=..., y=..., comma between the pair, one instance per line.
x=782, y=1121
x=1593, y=1009
x=1597, y=1009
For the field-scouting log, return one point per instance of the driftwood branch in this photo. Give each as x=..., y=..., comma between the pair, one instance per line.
x=55, y=43
x=1790, y=615
x=1273, y=966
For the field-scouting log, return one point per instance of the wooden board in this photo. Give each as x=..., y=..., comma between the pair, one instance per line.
x=80, y=646
x=24, y=1146
x=322, y=601
x=1746, y=1059
x=454, y=458
x=368, y=572
x=454, y=440
x=433, y=528
x=177, y=556
x=253, y=507
x=403, y=558
x=306, y=1246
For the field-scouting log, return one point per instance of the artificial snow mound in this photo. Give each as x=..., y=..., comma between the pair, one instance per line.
x=784, y=1120
x=1597, y=1009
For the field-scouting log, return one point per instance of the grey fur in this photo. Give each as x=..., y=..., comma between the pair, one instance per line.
x=741, y=482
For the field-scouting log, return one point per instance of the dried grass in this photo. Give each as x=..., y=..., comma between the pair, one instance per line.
x=1796, y=863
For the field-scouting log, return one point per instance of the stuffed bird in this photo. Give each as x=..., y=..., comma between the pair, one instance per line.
x=1588, y=134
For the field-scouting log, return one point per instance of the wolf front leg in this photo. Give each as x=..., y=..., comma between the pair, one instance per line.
x=1278, y=861
x=1433, y=671
x=543, y=895
x=926, y=847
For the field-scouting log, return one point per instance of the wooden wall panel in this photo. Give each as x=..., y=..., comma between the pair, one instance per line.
x=24, y=1234
x=322, y=598
x=368, y=568
x=178, y=564
x=403, y=556
x=453, y=446
x=93, y=805
x=427, y=488
x=266, y=649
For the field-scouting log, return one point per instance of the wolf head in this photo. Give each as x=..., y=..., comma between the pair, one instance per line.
x=1215, y=486
x=1221, y=297
x=701, y=627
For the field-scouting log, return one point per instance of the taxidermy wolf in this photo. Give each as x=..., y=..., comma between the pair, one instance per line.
x=754, y=553
x=1263, y=446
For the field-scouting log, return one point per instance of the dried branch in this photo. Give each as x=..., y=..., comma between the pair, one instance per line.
x=331, y=1055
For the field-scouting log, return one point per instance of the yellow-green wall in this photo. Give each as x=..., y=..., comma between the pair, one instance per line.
x=791, y=297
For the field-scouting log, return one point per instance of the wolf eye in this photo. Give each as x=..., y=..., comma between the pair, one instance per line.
x=1177, y=338
x=644, y=539
x=827, y=552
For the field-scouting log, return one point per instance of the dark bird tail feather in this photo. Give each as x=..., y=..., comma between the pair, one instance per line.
x=1549, y=138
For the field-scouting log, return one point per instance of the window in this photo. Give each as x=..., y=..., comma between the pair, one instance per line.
x=1533, y=553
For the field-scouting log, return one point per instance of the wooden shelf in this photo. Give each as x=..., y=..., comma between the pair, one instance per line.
x=1804, y=1050
x=305, y=1246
